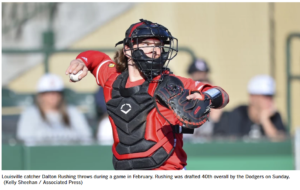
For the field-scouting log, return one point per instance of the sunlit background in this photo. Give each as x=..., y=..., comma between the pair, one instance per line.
x=238, y=41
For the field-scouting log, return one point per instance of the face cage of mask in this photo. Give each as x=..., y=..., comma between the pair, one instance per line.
x=169, y=46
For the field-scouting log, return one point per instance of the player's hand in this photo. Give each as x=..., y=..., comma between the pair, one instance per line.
x=75, y=66
x=194, y=96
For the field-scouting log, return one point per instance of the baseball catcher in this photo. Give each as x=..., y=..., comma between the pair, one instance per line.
x=148, y=106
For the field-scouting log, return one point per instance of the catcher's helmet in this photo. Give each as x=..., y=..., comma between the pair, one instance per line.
x=150, y=66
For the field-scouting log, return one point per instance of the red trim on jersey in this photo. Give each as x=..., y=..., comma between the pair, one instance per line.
x=150, y=132
x=115, y=132
x=130, y=84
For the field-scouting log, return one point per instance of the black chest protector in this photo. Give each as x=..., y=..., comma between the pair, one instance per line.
x=128, y=108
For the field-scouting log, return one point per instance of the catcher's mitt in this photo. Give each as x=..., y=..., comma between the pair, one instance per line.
x=192, y=113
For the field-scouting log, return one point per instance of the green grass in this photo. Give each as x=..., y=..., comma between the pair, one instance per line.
x=278, y=162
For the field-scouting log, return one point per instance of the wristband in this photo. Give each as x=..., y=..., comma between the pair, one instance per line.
x=216, y=97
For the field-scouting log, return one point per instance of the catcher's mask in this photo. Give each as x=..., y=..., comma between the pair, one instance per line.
x=150, y=66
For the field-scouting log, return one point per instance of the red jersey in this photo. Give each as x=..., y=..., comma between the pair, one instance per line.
x=102, y=67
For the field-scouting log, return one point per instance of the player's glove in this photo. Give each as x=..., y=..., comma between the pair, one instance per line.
x=192, y=113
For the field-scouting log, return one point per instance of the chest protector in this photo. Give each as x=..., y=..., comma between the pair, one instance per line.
x=142, y=139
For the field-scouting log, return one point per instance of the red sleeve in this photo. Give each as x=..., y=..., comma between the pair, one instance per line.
x=99, y=64
x=202, y=87
x=195, y=85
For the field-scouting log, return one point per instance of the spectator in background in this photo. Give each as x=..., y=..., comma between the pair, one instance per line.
x=104, y=132
x=199, y=71
x=259, y=118
x=100, y=103
x=50, y=119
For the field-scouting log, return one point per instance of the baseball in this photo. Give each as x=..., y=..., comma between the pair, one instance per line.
x=74, y=77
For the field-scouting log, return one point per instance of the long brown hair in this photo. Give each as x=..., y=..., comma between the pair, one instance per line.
x=62, y=108
x=121, y=60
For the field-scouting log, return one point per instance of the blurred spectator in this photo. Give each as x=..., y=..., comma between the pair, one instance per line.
x=104, y=133
x=199, y=71
x=100, y=103
x=260, y=118
x=50, y=119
